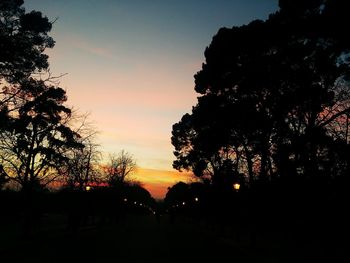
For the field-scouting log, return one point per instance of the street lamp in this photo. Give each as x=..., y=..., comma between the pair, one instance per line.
x=236, y=186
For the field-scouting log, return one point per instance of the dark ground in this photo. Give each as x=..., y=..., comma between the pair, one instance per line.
x=143, y=239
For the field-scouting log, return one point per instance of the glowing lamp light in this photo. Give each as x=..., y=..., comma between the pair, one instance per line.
x=183, y=203
x=236, y=186
x=196, y=199
x=125, y=199
x=88, y=188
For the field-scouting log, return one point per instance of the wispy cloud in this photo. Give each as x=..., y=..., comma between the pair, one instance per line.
x=89, y=48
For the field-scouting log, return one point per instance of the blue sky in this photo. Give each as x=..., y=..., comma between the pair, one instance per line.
x=131, y=63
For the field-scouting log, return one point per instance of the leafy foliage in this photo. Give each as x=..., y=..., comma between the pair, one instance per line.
x=273, y=98
x=23, y=39
x=37, y=134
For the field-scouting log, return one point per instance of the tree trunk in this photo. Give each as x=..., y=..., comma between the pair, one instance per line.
x=249, y=164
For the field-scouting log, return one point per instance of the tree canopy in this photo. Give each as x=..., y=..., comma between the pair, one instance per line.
x=37, y=135
x=35, y=125
x=23, y=40
x=273, y=98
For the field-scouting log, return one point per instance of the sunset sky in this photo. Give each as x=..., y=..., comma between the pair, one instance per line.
x=131, y=65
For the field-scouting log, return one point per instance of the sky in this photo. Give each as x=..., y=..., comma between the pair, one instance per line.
x=130, y=65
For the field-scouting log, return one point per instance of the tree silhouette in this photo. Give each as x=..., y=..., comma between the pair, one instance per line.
x=23, y=40
x=81, y=166
x=177, y=194
x=37, y=135
x=35, y=129
x=120, y=167
x=273, y=97
x=134, y=191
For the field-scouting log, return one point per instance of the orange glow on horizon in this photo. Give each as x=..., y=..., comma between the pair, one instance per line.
x=157, y=181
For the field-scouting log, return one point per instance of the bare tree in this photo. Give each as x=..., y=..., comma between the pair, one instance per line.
x=119, y=167
x=81, y=167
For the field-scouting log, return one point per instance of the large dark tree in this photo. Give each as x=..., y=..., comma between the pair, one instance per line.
x=273, y=99
x=35, y=128
x=23, y=40
x=37, y=135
